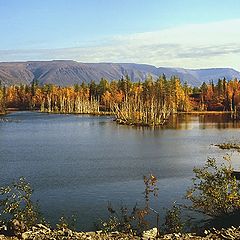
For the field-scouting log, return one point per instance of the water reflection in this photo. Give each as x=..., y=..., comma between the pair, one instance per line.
x=202, y=121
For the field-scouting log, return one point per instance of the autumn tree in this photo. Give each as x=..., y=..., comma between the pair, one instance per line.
x=2, y=98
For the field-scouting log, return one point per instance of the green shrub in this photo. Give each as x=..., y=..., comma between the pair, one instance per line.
x=16, y=206
x=215, y=191
x=134, y=220
x=173, y=222
x=121, y=220
x=67, y=222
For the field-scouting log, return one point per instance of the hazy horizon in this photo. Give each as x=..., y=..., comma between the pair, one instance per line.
x=52, y=60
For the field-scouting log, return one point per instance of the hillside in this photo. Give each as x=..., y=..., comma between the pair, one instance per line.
x=70, y=72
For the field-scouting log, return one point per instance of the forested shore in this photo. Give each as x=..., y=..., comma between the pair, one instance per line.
x=147, y=103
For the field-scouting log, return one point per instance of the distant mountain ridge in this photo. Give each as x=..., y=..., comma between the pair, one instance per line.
x=67, y=72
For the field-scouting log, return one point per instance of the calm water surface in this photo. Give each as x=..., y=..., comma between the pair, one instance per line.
x=77, y=163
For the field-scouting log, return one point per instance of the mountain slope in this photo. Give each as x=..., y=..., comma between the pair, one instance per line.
x=70, y=72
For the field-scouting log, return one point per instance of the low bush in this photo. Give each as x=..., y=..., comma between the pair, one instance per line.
x=17, y=210
x=215, y=191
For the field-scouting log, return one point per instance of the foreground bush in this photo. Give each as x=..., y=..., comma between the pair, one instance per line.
x=17, y=210
x=215, y=191
x=133, y=220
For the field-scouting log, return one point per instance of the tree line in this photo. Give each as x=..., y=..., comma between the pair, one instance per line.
x=140, y=103
x=222, y=96
x=144, y=103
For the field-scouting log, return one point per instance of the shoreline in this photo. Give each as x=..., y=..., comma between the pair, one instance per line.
x=109, y=113
x=41, y=231
x=208, y=112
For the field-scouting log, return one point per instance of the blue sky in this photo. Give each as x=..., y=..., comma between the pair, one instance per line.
x=177, y=33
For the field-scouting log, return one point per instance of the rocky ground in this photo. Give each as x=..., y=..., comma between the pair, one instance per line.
x=43, y=232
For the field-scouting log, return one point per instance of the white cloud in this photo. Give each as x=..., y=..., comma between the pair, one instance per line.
x=192, y=46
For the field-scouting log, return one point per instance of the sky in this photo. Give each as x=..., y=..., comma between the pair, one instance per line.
x=169, y=33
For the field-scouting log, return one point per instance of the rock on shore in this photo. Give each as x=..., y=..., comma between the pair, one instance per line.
x=42, y=232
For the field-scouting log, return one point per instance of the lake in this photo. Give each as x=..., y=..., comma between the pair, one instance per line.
x=78, y=163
